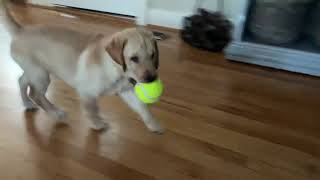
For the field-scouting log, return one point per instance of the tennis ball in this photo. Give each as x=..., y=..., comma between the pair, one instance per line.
x=149, y=93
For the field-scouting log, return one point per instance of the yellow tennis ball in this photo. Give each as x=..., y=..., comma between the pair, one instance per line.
x=149, y=93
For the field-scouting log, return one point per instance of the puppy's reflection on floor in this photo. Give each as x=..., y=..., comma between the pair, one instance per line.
x=46, y=140
x=56, y=149
x=93, y=141
x=46, y=151
x=55, y=140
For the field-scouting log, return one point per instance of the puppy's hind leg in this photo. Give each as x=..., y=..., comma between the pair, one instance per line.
x=24, y=84
x=38, y=88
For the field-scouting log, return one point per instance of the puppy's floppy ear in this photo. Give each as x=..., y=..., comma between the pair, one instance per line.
x=115, y=49
x=156, y=54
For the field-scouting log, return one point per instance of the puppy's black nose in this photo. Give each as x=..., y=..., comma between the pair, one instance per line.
x=132, y=81
x=150, y=78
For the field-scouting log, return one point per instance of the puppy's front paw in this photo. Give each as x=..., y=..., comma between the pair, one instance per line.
x=30, y=106
x=155, y=127
x=59, y=115
x=99, y=125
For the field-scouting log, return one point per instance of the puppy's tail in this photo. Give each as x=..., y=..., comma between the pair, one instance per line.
x=11, y=24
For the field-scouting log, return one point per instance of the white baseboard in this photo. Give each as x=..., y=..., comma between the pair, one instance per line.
x=165, y=18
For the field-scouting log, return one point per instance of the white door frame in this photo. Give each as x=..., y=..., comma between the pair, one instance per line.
x=141, y=17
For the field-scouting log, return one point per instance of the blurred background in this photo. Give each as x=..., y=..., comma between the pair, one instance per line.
x=279, y=34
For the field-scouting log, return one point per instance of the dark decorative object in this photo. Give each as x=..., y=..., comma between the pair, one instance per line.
x=207, y=30
x=278, y=21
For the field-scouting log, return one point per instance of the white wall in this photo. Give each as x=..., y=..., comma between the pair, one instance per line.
x=169, y=13
x=211, y=4
x=182, y=6
x=233, y=7
x=172, y=5
x=126, y=7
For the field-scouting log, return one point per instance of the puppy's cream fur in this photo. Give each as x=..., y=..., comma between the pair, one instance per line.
x=94, y=65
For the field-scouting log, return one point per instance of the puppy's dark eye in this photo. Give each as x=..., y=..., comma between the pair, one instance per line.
x=135, y=59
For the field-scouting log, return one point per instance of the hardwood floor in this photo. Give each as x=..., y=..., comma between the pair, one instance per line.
x=224, y=120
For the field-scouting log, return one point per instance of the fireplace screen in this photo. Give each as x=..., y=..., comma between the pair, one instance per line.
x=282, y=34
x=291, y=24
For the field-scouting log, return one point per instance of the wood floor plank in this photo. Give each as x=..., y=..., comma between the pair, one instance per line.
x=236, y=158
x=278, y=155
